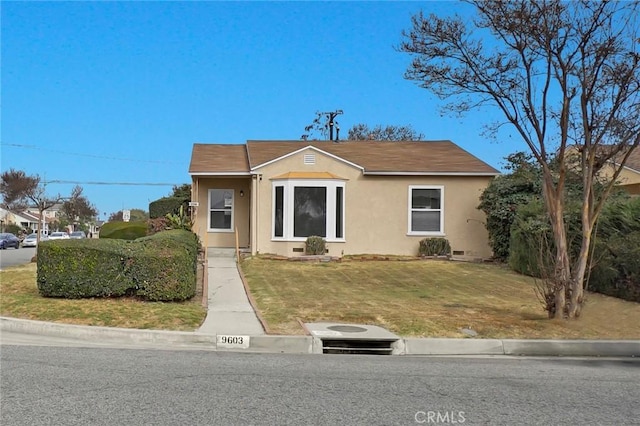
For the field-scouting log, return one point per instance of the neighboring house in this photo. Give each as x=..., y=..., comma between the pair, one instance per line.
x=629, y=178
x=52, y=213
x=25, y=220
x=363, y=197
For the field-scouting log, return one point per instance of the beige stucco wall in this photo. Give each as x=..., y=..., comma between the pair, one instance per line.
x=630, y=181
x=376, y=210
x=200, y=193
x=629, y=177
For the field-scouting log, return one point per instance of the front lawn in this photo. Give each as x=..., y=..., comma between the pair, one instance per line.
x=411, y=298
x=424, y=298
x=19, y=298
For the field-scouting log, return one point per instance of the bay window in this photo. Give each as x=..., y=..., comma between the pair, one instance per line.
x=302, y=208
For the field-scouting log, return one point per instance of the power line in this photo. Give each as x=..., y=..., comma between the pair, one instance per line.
x=75, y=182
x=101, y=157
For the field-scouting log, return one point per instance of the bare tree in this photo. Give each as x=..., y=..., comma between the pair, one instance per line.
x=78, y=206
x=565, y=76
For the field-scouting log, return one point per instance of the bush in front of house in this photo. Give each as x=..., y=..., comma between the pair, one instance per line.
x=124, y=230
x=161, y=267
x=156, y=225
x=167, y=205
x=434, y=247
x=315, y=245
x=616, y=258
x=180, y=220
x=615, y=266
x=75, y=269
x=165, y=266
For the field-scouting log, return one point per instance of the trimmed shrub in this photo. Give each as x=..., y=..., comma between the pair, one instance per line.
x=165, y=266
x=161, y=267
x=124, y=230
x=315, y=245
x=434, y=247
x=167, y=205
x=82, y=268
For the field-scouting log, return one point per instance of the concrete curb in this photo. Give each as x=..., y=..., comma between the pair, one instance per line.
x=613, y=348
x=109, y=334
x=306, y=344
x=437, y=346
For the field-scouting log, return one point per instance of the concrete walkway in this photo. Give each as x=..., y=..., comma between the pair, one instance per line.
x=229, y=311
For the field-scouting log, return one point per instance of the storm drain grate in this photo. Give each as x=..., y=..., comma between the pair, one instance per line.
x=353, y=339
x=356, y=346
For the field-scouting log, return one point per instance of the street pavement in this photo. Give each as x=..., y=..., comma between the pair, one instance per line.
x=231, y=324
x=100, y=386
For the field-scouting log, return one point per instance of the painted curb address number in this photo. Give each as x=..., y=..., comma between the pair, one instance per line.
x=232, y=342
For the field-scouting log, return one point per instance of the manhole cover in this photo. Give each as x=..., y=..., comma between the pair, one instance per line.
x=347, y=328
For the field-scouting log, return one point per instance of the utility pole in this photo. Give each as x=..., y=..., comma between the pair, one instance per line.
x=330, y=117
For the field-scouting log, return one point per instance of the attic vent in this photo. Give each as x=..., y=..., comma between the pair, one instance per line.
x=309, y=159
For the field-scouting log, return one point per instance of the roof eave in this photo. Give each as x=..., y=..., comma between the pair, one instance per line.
x=201, y=174
x=404, y=173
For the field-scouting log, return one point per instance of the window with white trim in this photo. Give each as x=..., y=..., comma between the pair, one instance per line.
x=221, y=210
x=302, y=208
x=425, y=210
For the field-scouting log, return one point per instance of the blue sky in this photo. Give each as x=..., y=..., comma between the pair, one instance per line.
x=118, y=92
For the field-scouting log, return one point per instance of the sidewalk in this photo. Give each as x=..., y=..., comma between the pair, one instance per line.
x=229, y=311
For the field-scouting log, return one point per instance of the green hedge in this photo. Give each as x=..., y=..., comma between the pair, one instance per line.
x=615, y=267
x=82, y=268
x=124, y=230
x=167, y=205
x=161, y=267
x=616, y=260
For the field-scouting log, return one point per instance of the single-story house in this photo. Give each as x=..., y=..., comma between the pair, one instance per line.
x=25, y=220
x=363, y=197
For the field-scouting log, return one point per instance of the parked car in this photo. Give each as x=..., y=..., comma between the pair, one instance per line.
x=31, y=240
x=59, y=236
x=9, y=240
x=77, y=235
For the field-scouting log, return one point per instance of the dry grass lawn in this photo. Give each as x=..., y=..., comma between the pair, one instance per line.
x=19, y=298
x=424, y=299
x=410, y=298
